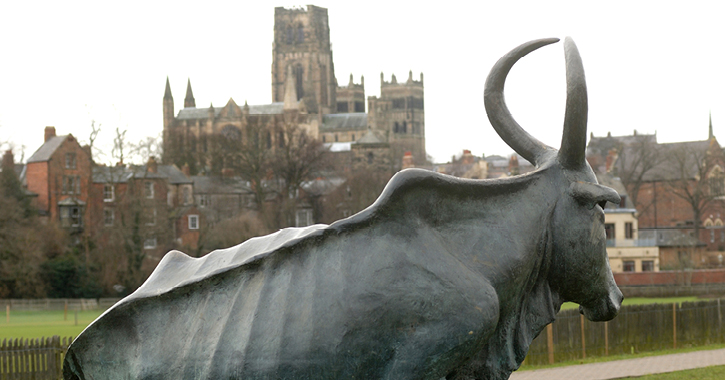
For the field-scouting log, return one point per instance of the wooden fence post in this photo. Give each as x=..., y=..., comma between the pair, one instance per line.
x=606, y=338
x=584, y=343
x=674, y=325
x=550, y=342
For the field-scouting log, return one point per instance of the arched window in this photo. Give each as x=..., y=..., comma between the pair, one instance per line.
x=231, y=132
x=300, y=33
x=405, y=127
x=298, y=72
x=290, y=35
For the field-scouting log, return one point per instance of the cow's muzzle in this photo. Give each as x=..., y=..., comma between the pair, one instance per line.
x=604, y=308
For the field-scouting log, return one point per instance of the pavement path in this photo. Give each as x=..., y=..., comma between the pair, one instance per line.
x=627, y=368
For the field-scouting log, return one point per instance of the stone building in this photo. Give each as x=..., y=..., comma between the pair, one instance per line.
x=305, y=96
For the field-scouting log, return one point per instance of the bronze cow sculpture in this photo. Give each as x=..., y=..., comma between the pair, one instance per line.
x=440, y=276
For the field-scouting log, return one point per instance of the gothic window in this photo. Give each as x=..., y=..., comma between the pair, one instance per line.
x=232, y=133
x=396, y=127
x=290, y=35
x=280, y=139
x=399, y=103
x=269, y=140
x=405, y=127
x=300, y=34
x=323, y=84
x=342, y=107
x=298, y=71
x=359, y=107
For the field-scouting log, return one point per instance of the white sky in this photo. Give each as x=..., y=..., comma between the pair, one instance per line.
x=650, y=65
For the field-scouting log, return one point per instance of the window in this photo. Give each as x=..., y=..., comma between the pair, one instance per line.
x=108, y=193
x=280, y=139
x=303, y=218
x=359, y=107
x=193, y=222
x=300, y=34
x=609, y=229
x=298, y=71
x=353, y=137
x=71, y=216
x=71, y=184
x=628, y=230
x=370, y=157
x=628, y=266
x=108, y=217
x=149, y=243
x=186, y=193
x=148, y=189
x=342, y=107
x=70, y=160
x=717, y=186
x=205, y=200
x=648, y=265
x=290, y=34
x=151, y=217
x=269, y=140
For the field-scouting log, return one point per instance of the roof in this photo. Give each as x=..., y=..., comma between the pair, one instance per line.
x=370, y=138
x=338, y=146
x=666, y=167
x=218, y=185
x=203, y=113
x=121, y=174
x=47, y=149
x=356, y=120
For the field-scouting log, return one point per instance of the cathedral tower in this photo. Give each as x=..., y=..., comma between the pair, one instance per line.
x=302, y=42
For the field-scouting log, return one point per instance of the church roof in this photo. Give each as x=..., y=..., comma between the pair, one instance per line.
x=357, y=120
x=47, y=149
x=370, y=138
x=203, y=113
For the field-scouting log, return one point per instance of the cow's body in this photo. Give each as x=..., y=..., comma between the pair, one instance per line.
x=439, y=276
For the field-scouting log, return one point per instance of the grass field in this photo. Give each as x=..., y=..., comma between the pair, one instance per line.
x=37, y=324
x=707, y=373
x=639, y=301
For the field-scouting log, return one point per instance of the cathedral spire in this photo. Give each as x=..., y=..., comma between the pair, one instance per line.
x=711, y=134
x=167, y=93
x=189, y=101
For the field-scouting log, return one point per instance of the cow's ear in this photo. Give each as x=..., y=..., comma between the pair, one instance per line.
x=591, y=194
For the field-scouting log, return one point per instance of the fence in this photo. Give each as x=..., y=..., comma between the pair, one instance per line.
x=37, y=359
x=637, y=328
x=58, y=304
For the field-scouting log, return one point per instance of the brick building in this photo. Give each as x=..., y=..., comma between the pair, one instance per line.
x=59, y=173
x=678, y=190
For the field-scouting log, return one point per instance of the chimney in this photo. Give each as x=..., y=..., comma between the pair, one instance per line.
x=8, y=161
x=185, y=169
x=151, y=166
x=408, y=160
x=49, y=133
x=467, y=158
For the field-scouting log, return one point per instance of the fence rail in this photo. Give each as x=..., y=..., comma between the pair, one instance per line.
x=58, y=304
x=37, y=359
x=637, y=328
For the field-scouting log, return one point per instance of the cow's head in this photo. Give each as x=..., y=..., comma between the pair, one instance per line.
x=579, y=268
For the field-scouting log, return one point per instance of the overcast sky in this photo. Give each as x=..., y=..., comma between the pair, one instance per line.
x=653, y=66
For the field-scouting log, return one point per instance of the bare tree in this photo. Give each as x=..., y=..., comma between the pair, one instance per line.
x=635, y=162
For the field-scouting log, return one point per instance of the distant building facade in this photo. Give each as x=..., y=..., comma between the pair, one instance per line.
x=305, y=94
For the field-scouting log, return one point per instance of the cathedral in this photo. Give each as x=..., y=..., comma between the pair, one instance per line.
x=305, y=96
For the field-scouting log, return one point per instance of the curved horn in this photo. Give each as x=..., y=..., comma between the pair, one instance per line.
x=574, y=139
x=510, y=131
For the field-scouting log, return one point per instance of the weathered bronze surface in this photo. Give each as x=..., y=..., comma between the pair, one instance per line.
x=440, y=277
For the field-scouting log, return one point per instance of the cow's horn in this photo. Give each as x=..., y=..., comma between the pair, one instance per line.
x=574, y=139
x=510, y=131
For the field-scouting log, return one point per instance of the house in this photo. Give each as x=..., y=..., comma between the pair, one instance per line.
x=59, y=173
x=627, y=250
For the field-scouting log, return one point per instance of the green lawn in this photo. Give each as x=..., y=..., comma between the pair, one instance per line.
x=707, y=373
x=639, y=301
x=37, y=324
